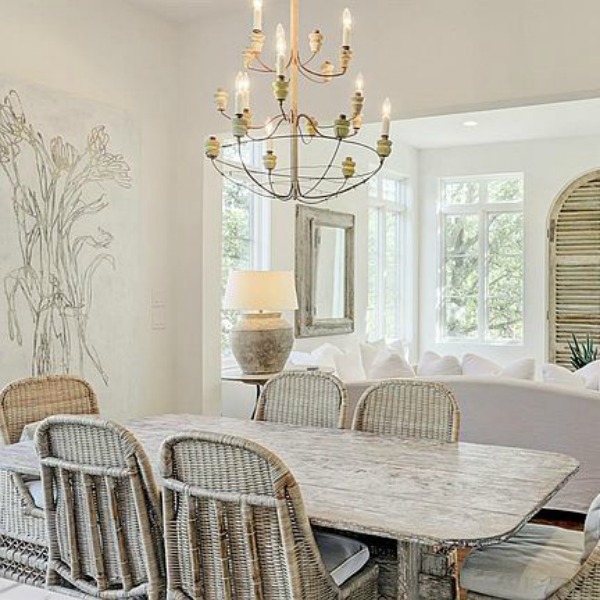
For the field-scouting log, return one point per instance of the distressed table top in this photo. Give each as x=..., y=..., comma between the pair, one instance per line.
x=453, y=494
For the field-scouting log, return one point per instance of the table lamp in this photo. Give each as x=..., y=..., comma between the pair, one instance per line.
x=262, y=339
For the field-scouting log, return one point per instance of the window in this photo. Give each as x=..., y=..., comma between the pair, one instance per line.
x=481, y=274
x=388, y=250
x=245, y=238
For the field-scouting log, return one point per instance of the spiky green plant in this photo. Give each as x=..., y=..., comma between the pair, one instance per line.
x=582, y=353
x=56, y=188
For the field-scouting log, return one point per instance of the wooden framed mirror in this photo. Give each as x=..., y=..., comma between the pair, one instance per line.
x=324, y=272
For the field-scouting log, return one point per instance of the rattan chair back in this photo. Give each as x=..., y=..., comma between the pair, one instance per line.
x=409, y=408
x=235, y=524
x=35, y=398
x=102, y=510
x=310, y=398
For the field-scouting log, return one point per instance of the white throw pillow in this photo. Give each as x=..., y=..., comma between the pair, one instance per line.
x=561, y=376
x=592, y=528
x=432, y=364
x=391, y=366
x=369, y=351
x=324, y=356
x=591, y=375
x=301, y=359
x=524, y=368
x=473, y=364
x=349, y=366
x=397, y=347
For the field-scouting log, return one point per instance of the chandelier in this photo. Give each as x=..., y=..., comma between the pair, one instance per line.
x=320, y=164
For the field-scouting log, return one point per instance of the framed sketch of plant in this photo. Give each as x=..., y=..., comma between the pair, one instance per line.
x=55, y=190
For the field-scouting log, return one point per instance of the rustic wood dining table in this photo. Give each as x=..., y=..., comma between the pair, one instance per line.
x=422, y=498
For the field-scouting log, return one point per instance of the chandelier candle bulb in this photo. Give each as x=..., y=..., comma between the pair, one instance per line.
x=347, y=21
x=258, y=15
x=221, y=99
x=239, y=93
x=269, y=136
x=281, y=50
x=315, y=41
x=246, y=92
x=386, y=113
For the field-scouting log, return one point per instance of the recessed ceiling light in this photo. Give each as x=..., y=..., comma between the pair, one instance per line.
x=470, y=123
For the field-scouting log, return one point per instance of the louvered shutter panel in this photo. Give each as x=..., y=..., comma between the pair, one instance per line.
x=575, y=267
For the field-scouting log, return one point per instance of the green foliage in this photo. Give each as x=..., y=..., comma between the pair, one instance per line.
x=503, y=272
x=582, y=353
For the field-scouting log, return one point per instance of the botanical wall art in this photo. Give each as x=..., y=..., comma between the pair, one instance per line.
x=64, y=189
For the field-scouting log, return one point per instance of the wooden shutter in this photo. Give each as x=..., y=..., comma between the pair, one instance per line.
x=574, y=244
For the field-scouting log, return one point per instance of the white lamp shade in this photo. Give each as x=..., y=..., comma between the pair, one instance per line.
x=261, y=290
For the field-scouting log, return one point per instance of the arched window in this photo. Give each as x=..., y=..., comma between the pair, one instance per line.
x=574, y=261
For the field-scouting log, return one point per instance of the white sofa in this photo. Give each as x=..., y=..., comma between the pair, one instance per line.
x=526, y=414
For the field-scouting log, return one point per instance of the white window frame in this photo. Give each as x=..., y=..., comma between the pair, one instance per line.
x=383, y=208
x=482, y=209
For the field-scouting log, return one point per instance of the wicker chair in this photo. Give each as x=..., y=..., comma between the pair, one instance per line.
x=309, y=398
x=102, y=509
x=23, y=542
x=33, y=399
x=409, y=409
x=235, y=527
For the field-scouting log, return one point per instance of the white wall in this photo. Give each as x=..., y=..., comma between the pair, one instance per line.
x=548, y=166
x=110, y=53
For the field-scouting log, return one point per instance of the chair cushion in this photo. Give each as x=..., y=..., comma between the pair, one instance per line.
x=532, y=565
x=343, y=557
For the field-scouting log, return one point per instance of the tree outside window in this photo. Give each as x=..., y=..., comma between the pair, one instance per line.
x=482, y=244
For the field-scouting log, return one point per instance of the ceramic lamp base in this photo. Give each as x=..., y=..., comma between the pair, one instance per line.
x=262, y=342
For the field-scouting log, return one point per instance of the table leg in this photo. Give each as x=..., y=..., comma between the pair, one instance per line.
x=409, y=565
x=426, y=573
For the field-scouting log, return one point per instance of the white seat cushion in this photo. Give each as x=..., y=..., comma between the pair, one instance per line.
x=532, y=565
x=343, y=557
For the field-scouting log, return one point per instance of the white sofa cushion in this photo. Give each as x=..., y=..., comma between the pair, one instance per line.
x=432, y=364
x=532, y=565
x=343, y=556
x=349, y=366
x=322, y=357
x=473, y=364
x=523, y=368
x=592, y=528
x=591, y=375
x=369, y=351
x=558, y=375
x=389, y=366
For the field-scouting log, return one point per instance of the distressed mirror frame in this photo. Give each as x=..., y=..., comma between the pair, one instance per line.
x=308, y=219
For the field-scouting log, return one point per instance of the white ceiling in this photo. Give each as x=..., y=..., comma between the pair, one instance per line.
x=184, y=10
x=544, y=121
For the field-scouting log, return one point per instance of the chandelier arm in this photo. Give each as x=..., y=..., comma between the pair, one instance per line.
x=309, y=60
x=263, y=193
x=224, y=114
x=329, y=166
x=304, y=69
x=265, y=68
